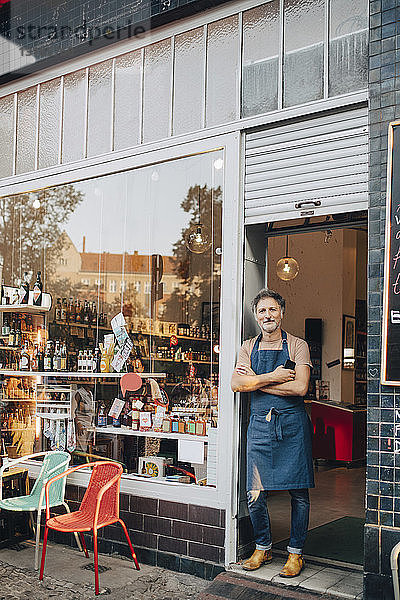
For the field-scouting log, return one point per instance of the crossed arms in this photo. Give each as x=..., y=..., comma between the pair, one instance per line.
x=281, y=382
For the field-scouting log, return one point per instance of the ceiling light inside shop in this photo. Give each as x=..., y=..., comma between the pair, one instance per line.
x=155, y=176
x=197, y=239
x=218, y=164
x=36, y=201
x=287, y=268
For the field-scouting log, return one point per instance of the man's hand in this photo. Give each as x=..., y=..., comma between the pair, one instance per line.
x=282, y=375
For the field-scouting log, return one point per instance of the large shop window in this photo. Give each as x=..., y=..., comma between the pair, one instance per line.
x=142, y=247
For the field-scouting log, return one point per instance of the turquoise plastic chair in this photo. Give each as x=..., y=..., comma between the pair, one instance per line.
x=54, y=463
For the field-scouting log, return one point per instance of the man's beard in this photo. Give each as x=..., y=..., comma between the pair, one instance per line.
x=270, y=326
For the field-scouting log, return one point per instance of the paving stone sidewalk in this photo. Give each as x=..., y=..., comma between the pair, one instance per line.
x=67, y=579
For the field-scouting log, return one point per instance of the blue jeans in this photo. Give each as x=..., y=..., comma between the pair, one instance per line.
x=258, y=510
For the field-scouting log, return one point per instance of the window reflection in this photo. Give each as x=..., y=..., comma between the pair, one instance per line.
x=119, y=244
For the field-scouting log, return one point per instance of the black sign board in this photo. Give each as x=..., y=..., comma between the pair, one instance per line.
x=36, y=34
x=390, y=374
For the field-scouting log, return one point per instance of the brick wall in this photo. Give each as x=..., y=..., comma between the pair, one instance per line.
x=382, y=529
x=181, y=537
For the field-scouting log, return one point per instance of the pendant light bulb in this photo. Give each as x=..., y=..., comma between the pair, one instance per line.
x=197, y=239
x=287, y=268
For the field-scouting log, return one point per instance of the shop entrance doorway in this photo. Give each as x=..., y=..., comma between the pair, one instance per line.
x=326, y=304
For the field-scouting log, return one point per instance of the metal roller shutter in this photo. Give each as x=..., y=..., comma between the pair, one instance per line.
x=317, y=166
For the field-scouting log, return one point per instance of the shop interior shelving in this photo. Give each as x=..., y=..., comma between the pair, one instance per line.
x=27, y=309
x=153, y=434
x=74, y=374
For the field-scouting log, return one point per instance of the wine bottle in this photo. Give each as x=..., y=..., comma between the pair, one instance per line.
x=38, y=290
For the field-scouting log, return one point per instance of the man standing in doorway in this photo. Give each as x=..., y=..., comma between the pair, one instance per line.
x=279, y=438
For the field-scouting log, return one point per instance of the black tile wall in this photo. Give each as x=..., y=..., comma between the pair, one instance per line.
x=174, y=535
x=383, y=482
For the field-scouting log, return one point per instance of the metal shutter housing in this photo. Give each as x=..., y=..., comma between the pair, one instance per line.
x=311, y=167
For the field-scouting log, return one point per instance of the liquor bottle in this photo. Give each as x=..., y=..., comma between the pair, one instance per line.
x=48, y=359
x=2, y=297
x=40, y=359
x=80, y=360
x=82, y=313
x=94, y=313
x=85, y=363
x=29, y=323
x=5, y=330
x=71, y=311
x=58, y=310
x=34, y=362
x=86, y=313
x=89, y=358
x=77, y=311
x=64, y=358
x=64, y=310
x=24, y=361
x=38, y=290
x=24, y=290
x=102, y=416
x=18, y=336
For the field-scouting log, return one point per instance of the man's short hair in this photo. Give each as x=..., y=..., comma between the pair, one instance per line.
x=265, y=293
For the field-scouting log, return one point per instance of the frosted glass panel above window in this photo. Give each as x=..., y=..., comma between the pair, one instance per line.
x=157, y=91
x=74, y=116
x=99, y=109
x=189, y=81
x=260, y=59
x=348, y=46
x=222, y=71
x=303, y=71
x=49, y=123
x=26, y=130
x=6, y=135
x=128, y=90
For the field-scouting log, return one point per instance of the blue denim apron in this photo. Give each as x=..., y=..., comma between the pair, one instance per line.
x=279, y=436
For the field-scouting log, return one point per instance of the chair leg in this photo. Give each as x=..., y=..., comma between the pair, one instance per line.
x=37, y=543
x=130, y=543
x=46, y=532
x=96, y=563
x=83, y=544
x=75, y=533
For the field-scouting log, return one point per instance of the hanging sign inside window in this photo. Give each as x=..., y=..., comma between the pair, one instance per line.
x=390, y=372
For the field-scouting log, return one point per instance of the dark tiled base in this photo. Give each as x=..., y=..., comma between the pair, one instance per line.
x=166, y=560
x=377, y=587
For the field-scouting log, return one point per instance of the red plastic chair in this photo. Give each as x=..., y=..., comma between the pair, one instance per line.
x=99, y=507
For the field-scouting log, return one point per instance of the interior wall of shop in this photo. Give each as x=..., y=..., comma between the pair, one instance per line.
x=382, y=530
x=331, y=276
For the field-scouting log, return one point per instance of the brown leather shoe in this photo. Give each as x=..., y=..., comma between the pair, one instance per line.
x=257, y=559
x=294, y=566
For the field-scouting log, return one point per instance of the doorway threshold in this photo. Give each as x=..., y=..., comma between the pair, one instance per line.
x=323, y=577
x=325, y=562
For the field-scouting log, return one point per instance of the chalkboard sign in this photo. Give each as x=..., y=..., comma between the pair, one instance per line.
x=390, y=374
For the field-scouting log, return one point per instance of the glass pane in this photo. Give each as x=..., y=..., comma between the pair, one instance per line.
x=6, y=135
x=303, y=71
x=99, y=109
x=222, y=71
x=189, y=81
x=74, y=116
x=157, y=91
x=49, y=123
x=348, y=46
x=128, y=75
x=260, y=59
x=142, y=242
x=26, y=130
